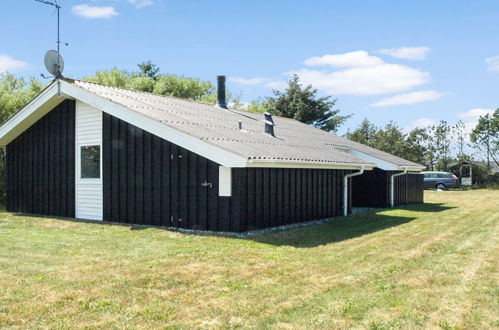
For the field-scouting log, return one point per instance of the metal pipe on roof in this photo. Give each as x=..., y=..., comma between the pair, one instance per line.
x=221, y=100
x=269, y=124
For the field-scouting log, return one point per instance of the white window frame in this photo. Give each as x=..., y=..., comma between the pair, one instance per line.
x=78, y=165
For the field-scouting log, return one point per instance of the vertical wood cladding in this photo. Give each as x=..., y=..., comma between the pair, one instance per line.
x=409, y=189
x=40, y=165
x=148, y=180
x=280, y=196
x=372, y=189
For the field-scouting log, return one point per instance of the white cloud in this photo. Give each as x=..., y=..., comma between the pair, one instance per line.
x=141, y=3
x=408, y=53
x=358, y=58
x=419, y=123
x=374, y=80
x=409, y=98
x=355, y=73
x=8, y=63
x=493, y=63
x=87, y=11
x=277, y=84
x=249, y=81
x=474, y=114
x=362, y=74
x=471, y=117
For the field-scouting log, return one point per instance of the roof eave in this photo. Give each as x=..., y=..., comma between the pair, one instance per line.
x=301, y=164
x=412, y=168
x=30, y=113
x=383, y=164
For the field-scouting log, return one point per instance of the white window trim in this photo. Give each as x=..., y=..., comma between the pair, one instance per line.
x=79, y=179
x=224, y=181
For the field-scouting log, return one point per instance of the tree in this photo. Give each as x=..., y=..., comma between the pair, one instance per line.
x=485, y=137
x=112, y=78
x=460, y=136
x=391, y=140
x=440, y=139
x=148, y=80
x=366, y=133
x=304, y=105
x=186, y=88
x=15, y=93
x=148, y=69
x=416, y=146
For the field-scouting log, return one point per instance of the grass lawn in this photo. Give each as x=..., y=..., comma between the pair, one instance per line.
x=433, y=265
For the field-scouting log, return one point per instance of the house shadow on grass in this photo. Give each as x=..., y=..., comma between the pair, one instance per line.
x=301, y=235
x=342, y=228
x=426, y=207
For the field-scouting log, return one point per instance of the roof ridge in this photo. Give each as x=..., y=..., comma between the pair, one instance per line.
x=140, y=92
x=236, y=111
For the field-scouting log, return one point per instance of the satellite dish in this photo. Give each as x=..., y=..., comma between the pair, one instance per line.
x=54, y=63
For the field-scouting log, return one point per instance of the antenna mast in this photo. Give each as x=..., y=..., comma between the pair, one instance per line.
x=57, y=7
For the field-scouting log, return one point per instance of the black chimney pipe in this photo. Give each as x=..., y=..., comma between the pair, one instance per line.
x=221, y=102
x=269, y=124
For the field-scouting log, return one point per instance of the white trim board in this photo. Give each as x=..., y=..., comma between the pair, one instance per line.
x=88, y=192
x=297, y=164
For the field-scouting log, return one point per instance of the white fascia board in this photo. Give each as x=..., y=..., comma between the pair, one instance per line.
x=30, y=114
x=209, y=151
x=384, y=165
x=412, y=168
x=298, y=164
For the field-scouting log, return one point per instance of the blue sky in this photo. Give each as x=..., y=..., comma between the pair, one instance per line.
x=413, y=62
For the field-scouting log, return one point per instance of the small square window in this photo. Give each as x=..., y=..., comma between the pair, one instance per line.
x=90, y=162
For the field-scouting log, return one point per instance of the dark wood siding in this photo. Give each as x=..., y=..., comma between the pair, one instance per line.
x=409, y=189
x=279, y=196
x=153, y=181
x=40, y=165
x=372, y=189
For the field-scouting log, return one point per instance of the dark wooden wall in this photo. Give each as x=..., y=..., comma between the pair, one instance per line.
x=268, y=197
x=372, y=189
x=148, y=180
x=409, y=189
x=40, y=165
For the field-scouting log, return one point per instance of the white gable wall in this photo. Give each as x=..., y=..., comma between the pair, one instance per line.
x=88, y=191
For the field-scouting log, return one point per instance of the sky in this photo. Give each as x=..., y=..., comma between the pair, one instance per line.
x=411, y=62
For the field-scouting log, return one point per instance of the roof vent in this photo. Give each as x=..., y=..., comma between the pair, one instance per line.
x=221, y=103
x=269, y=124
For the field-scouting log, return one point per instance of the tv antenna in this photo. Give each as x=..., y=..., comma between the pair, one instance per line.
x=53, y=59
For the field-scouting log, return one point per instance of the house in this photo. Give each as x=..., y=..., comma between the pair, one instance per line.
x=89, y=151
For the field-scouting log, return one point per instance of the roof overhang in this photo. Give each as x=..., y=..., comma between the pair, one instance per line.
x=298, y=164
x=383, y=164
x=60, y=90
x=30, y=114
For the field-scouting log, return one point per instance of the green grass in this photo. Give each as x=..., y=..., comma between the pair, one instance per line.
x=421, y=266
